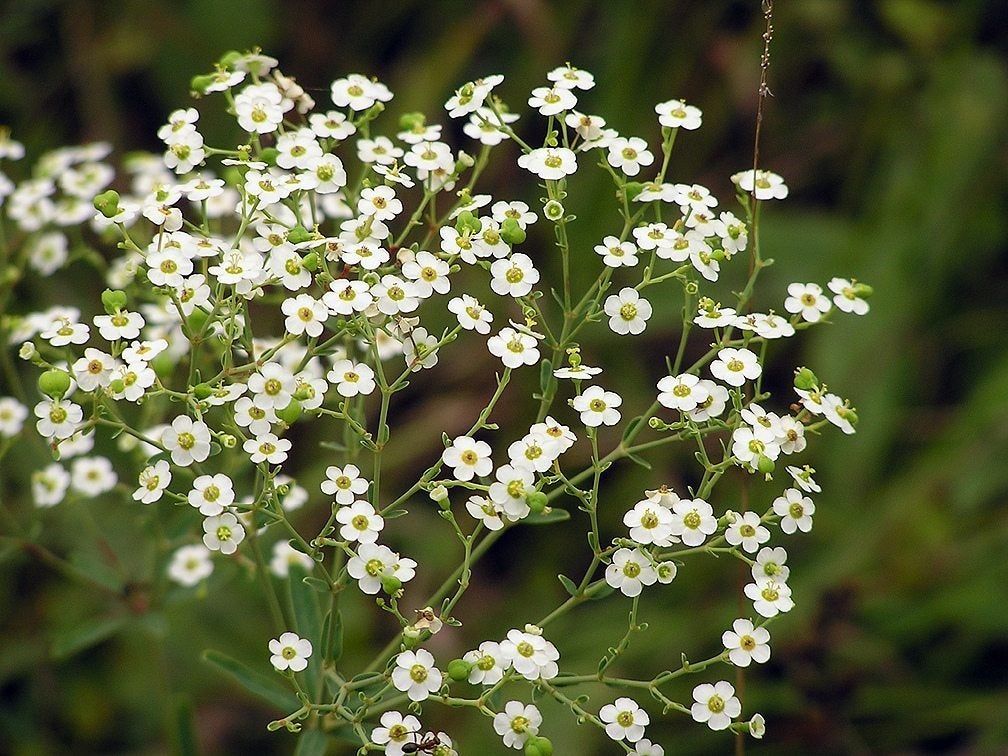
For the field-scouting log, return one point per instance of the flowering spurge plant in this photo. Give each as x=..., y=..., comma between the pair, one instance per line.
x=300, y=284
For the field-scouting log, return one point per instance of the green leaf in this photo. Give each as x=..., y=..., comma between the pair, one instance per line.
x=568, y=584
x=254, y=682
x=547, y=518
x=183, y=733
x=84, y=635
x=311, y=743
x=545, y=376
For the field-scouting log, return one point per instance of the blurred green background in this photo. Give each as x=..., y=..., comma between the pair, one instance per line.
x=888, y=122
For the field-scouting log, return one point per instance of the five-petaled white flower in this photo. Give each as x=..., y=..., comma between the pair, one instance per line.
x=716, y=705
x=290, y=652
x=415, y=674
x=624, y=719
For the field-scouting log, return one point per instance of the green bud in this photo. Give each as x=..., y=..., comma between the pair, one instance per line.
x=718, y=254
x=290, y=413
x=54, y=383
x=390, y=584
x=848, y=414
x=464, y=160
x=805, y=379
x=107, y=203
x=863, y=290
x=200, y=83
x=299, y=234
x=511, y=232
x=269, y=155
x=113, y=300
x=632, y=189
x=412, y=121
x=310, y=262
x=538, y=746
x=303, y=393
x=536, y=501
x=466, y=221
x=765, y=465
x=202, y=390
x=227, y=440
x=458, y=669
x=117, y=386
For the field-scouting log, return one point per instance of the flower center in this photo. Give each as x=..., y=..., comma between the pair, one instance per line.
x=625, y=718
x=597, y=405
x=374, y=567
x=288, y=652
x=692, y=520
x=418, y=672
x=186, y=440
x=631, y=569
x=223, y=533
x=360, y=522
x=628, y=311
x=736, y=365
x=525, y=649
x=520, y=724
x=796, y=510
x=486, y=663
x=716, y=704
x=747, y=642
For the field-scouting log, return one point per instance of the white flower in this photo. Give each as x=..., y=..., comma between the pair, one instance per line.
x=63, y=332
x=471, y=315
x=57, y=418
x=803, y=479
x=483, y=509
x=187, y=440
x=285, y=556
x=532, y=656
x=650, y=521
x=630, y=571
x=379, y=202
x=627, y=311
x=351, y=378
x=13, y=415
x=767, y=185
x=693, y=521
x=394, y=296
x=267, y=448
x=682, y=392
x=93, y=369
x=344, y=483
x=716, y=705
x=677, y=114
x=570, y=77
x=360, y=522
x=770, y=564
x=769, y=597
x=616, y=254
x=374, y=562
x=305, y=315
x=550, y=101
x=347, y=297
x=846, y=297
x=514, y=348
x=645, y=747
x=153, y=480
x=468, y=458
x=713, y=315
x=211, y=494
x=420, y=349
x=795, y=511
x=624, y=720
x=736, y=366
x=837, y=412
x=190, y=564
x=122, y=325
x=273, y=386
x=514, y=276
x=510, y=489
x=747, y=531
x=534, y=450
x=260, y=108
x=757, y=726
x=358, y=92
x=549, y=162
x=749, y=444
x=808, y=300
x=223, y=533
x=488, y=664
x=428, y=273
x=396, y=731
x=290, y=651
x=598, y=406
x=49, y=485
x=415, y=674
x=713, y=405
x=470, y=97
x=746, y=643
x=628, y=155
x=92, y=476
x=517, y=723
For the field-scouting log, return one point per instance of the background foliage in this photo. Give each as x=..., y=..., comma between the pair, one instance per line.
x=888, y=123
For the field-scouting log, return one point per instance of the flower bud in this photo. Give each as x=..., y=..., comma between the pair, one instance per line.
x=113, y=300
x=202, y=390
x=298, y=234
x=863, y=290
x=536, y=501
x=27, y=351
x=765, y=465
x=553, y=210
x=390, y=584
x=805, y=379
x=538, y=746
x=458, y=669
x=466, y=221
x=511, y=232
x=290, y=413
x=463, y=161
x=54, y=383
x=439, y=495
x=117, y=386
x=411, y=121
x=107, y=203
x=310, y=262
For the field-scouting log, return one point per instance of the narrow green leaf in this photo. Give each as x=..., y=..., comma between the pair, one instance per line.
x=184, y=740
x=547, y=518
x=254, y=682
x=568, y=584
x=84, y=635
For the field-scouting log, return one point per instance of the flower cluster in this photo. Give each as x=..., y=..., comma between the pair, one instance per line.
x=298, y=278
